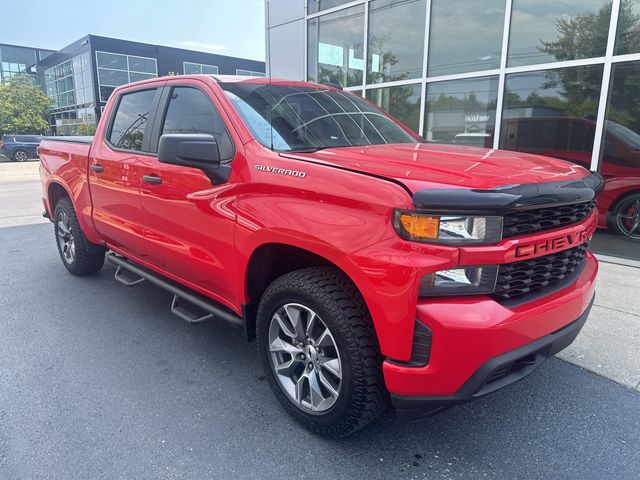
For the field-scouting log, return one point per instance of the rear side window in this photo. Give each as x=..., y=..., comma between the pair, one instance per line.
x=191, y=111
x=130, y=121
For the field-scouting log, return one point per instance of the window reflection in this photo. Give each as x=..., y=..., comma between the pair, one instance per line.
x=550, y=31
x=335, y=47
x=628, y=32
x=552, y=112
x=396, y=40
x=620, y=167
x=462, y=111
x=402, y=102
x=314, y=6
x=465, y=36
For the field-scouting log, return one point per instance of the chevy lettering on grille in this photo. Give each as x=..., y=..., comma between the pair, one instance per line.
x=552, y=244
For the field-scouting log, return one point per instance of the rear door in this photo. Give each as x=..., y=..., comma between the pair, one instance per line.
x=190, y=222
x=115, y=170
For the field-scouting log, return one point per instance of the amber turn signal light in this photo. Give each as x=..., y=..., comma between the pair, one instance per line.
x=420, y=226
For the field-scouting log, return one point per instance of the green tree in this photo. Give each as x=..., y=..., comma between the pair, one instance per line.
x=24, y=109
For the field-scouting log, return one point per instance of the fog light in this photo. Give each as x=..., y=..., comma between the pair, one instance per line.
x=459, y=281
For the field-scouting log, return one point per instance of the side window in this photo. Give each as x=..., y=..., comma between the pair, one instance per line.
x=130, y=119
x=191, y=111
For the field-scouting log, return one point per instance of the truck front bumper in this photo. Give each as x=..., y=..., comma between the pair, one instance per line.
x=479, y=346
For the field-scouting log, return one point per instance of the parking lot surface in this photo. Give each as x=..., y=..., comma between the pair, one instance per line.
x=98, y=380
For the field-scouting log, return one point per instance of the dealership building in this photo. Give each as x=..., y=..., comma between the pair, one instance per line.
x=80, y=77
x=554, y=78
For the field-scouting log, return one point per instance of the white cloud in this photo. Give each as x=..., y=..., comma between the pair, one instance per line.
x=209, y=47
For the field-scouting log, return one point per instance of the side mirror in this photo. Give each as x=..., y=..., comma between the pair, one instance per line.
x=194, y=150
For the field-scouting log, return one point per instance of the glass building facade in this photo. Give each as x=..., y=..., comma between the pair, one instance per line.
x=17, y=60
x=553, y=78
x=81, y=77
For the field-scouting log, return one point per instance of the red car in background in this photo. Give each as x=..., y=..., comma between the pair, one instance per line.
x=571, y=138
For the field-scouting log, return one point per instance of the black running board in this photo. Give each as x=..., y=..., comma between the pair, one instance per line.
x=130, y=274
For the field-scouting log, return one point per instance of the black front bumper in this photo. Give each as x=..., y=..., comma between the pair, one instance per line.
x=496, y=373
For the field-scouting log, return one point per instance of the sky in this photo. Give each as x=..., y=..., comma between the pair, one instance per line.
x=231, y=27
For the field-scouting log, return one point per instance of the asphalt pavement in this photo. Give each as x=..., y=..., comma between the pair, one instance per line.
x=98, y=380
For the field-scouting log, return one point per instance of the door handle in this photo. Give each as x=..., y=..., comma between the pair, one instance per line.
x=152, y=179
x=97, y=168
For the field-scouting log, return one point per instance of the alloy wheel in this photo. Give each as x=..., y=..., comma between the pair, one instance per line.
x=21, y=156
x=66, y=241
x=305, y=358
x=628, y=218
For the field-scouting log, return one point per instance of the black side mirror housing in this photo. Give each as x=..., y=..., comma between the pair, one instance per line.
x=195, y=150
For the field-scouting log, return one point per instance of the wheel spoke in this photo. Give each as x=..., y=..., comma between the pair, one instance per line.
x=299, y=391
x=633, y=227
x=288, y=331
x=62, y=229
x=315, y=392
x=279, y=345
x=332, y=366
x=294, y=315
x=325, y=339
x=310, y=324
x=327, y=384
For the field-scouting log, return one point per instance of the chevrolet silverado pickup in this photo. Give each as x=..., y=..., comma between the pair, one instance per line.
x=371, y=267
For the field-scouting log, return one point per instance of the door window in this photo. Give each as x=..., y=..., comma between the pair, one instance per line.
x=191, y=111
x=130, y=120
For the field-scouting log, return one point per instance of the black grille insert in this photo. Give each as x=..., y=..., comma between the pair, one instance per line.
x=532, y=221
x=520, y=278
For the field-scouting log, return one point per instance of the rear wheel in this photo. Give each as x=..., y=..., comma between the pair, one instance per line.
x=319, y=351
x=20, y=156
x=625, y=218
x=77, y=254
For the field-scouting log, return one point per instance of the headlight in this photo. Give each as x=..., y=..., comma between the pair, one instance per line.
x=448, y=229
x=459, y=281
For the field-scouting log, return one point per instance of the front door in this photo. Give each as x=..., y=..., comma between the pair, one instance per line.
x=190, y=222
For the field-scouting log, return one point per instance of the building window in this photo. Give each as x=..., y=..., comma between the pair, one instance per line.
x=552, y=112
x=70, y=86
x=463, y=37
x=628, y=32
x=555, y=31
x=336, y=47
x=396, y=40
x=621, y=161
x=115, y=69
x=190, y=68
x=314, y=6
x=402, y=102
x=462, y=111
x=249, y=73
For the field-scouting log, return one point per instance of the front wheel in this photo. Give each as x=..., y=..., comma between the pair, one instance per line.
x=77, y=254
x=626, y=217
x=319, y=351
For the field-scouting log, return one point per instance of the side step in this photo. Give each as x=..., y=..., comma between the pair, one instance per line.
x=184, y=300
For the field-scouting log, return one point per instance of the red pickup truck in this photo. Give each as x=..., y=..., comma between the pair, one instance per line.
x=371, y=267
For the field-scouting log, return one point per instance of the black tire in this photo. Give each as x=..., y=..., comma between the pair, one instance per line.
x=87, y=258
x=624, y=216
x=20, y=155
x=337, y=302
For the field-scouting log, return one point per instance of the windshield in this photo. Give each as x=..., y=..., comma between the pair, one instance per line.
x=290, y=118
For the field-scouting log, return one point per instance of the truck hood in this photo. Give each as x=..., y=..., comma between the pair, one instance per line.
x=422, y=165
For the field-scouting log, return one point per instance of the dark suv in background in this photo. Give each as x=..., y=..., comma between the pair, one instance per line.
x=20, y=148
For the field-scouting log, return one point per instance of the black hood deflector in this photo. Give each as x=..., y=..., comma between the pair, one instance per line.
x=510, y=198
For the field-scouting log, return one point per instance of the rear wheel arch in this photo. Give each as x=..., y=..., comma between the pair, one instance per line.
x=56, y=192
